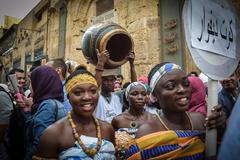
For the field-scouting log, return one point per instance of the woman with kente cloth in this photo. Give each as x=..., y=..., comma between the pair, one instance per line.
x=80, y=135
x=127, y=123
x=174, y=134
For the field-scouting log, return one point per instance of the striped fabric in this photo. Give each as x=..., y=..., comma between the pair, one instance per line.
x=177, y=145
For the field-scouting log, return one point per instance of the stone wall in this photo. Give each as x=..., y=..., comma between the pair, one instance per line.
x=139, y=17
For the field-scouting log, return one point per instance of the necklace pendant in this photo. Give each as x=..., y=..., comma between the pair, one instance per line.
x=133, y=124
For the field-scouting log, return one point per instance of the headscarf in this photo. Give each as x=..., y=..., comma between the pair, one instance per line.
x=46, y=84
x=168, y=67
x=143, y=79
x=198, y=102
x=130, y=86
x=80, y=79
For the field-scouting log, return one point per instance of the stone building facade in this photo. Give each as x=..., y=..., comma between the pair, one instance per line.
x=55, y=28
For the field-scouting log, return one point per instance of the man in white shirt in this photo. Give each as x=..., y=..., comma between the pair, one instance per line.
x=109, y=104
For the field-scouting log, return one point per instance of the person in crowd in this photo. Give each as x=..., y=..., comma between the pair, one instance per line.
x=193, y=74
x=60, y=66
x=150, y=107
x=143, y=79
x=80, y=135
x=174, y=133
x=117, y=86
x=127, y=123
x=47, y=106
x=198, y=100
x=230, y=145
x=229, y=94
x=109, y=104
x=119, y=79
x=204, y=79
x=25, y=102
x=6, y=106
x=20, y=78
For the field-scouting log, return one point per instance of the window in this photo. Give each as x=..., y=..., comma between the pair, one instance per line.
x=39, y=16
x=103, y=6
x=17, y=64
x=28, y=58
x=38, y=54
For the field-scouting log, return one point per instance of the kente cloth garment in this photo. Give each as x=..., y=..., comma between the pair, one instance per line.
x=46, y=84
x=198, y=102
x=106, y=152
x=176, y=145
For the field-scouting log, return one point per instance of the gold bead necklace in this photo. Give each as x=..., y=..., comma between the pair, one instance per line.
x=89, y=152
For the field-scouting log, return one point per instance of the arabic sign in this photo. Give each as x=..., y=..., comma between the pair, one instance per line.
x=213, y=28
x=216, y=66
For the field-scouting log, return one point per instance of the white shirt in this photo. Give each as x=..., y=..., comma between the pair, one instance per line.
x=106, y=111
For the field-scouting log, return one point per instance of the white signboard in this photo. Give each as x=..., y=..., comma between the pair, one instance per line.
x=213, y=28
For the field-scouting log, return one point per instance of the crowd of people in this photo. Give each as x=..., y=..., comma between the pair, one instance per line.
x=72, y=113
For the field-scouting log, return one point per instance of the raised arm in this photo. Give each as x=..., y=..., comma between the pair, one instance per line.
x=131, y=59
x=102, y=59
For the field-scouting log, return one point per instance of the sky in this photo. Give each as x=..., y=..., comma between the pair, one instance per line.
x=16, y=8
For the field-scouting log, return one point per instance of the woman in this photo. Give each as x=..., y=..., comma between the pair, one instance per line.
x=175, y=132
x=127, y=123
x=80, y=135
x=47, y=105
x=198, y=102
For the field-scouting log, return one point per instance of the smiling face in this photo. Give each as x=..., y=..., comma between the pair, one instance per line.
x=173, y=91
x=21, y=79
x=229, y=83
x=84, y=98
x=137, y=97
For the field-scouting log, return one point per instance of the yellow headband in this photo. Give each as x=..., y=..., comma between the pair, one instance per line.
x=80, y=79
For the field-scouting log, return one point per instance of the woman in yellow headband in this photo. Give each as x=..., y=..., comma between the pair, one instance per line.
x=79, y=135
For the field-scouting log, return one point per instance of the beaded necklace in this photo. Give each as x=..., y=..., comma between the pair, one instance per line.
x=89, y=152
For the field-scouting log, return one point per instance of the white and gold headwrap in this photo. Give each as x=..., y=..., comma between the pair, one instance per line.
x=80, y=79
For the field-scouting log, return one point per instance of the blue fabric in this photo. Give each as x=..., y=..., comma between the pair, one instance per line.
x=45, y=115
x=230, y=145
x=66, y=102
x=226, y=100
x=106, y=152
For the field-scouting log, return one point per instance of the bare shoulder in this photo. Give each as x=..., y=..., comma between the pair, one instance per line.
x=107, y=131
x=55, y=130
x=116, y=121
x=151, y=126
x=105, y=125
x=152, y=117
x=118, y=118
x=198, y=120
x=50, y=140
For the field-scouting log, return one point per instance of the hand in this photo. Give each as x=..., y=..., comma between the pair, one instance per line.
x=28, y=101
x=102, y=57
x=131, y=57
x=217, y=118
x=71, y=65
